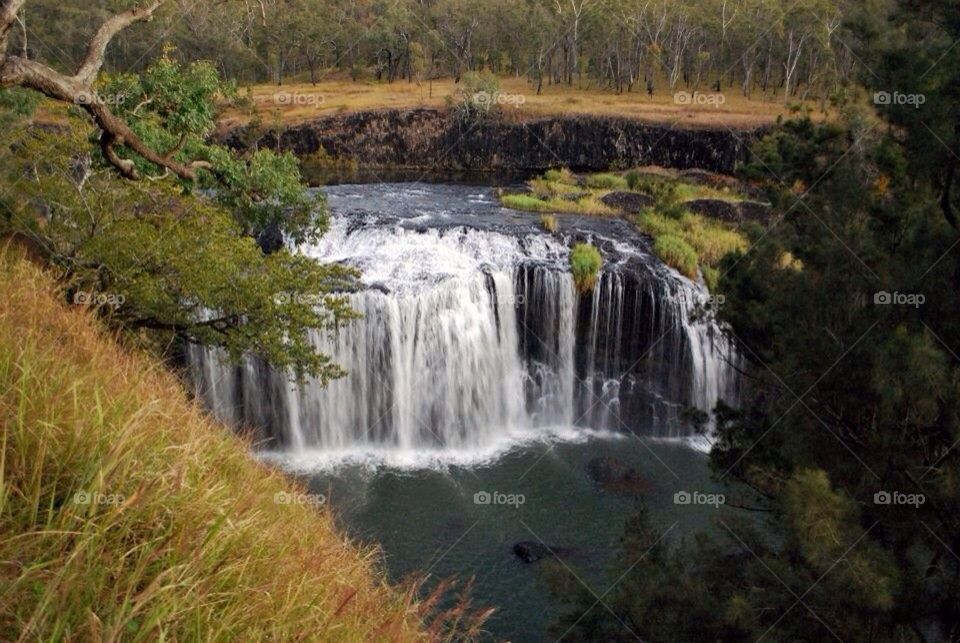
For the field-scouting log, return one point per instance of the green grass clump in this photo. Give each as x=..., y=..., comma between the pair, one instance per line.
x=677, y=253
x=710, y=240
x=606, y=182
x=126, y=513
x=587, y=205
x=524, y=202
x=549, y=222
x=560, y=175
x=585, y=264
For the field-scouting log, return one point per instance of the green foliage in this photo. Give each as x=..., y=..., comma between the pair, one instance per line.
x=677, y=253
x=476, y=97
x=175, y=265
x=560, y=175
x=585, y=264
x=524, y=202
x=173, y=106
x=874, y=410
x=708, y=240
x=606, y=182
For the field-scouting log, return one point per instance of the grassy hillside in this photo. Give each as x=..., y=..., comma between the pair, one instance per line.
x=127, y=514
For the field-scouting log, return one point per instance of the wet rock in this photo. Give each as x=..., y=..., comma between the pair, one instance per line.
x=628, y=202
x=716, y=209
x=755, y=211
x=270, y=239
x=427, y=137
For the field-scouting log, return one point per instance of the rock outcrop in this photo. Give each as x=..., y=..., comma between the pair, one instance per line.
x=430, y=139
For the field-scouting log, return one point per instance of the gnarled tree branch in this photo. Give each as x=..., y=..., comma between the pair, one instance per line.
x=19, y=71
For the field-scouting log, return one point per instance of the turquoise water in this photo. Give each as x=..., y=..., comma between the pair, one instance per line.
x=427, y=521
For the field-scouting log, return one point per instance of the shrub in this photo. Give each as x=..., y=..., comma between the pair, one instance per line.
x=585, y=264
x=606, y=182
x=524, y=202
x=633, y=179
x=549, y=222
x=561, y=175
x=677, y=253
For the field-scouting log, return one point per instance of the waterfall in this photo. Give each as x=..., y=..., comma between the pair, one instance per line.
x=470, y=333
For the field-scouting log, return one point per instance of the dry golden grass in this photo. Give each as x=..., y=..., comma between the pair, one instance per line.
x=195, y=545
x=299, y=102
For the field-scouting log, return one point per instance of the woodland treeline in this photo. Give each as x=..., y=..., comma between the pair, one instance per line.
x=794, y=49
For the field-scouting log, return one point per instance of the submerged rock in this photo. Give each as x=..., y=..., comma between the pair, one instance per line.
x=628, y=202
x=530, y=551
x=617, y=477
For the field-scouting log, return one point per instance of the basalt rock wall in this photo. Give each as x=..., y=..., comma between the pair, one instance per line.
x=431, y=139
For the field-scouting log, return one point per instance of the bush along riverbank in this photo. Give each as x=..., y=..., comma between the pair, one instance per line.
x=694, y=218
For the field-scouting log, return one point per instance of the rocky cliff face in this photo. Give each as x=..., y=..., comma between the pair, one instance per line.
x=431, y=139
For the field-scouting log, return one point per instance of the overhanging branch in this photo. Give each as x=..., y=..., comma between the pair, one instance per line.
x=18, y=71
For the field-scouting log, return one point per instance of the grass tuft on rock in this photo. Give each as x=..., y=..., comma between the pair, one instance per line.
x=585, y=264
x=677, y=253
x=549, y=222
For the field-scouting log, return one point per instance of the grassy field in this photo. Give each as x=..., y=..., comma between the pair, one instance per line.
x=126, y=514
x=298, y=102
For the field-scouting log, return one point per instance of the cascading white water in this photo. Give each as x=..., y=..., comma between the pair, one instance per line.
x=472, y=333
